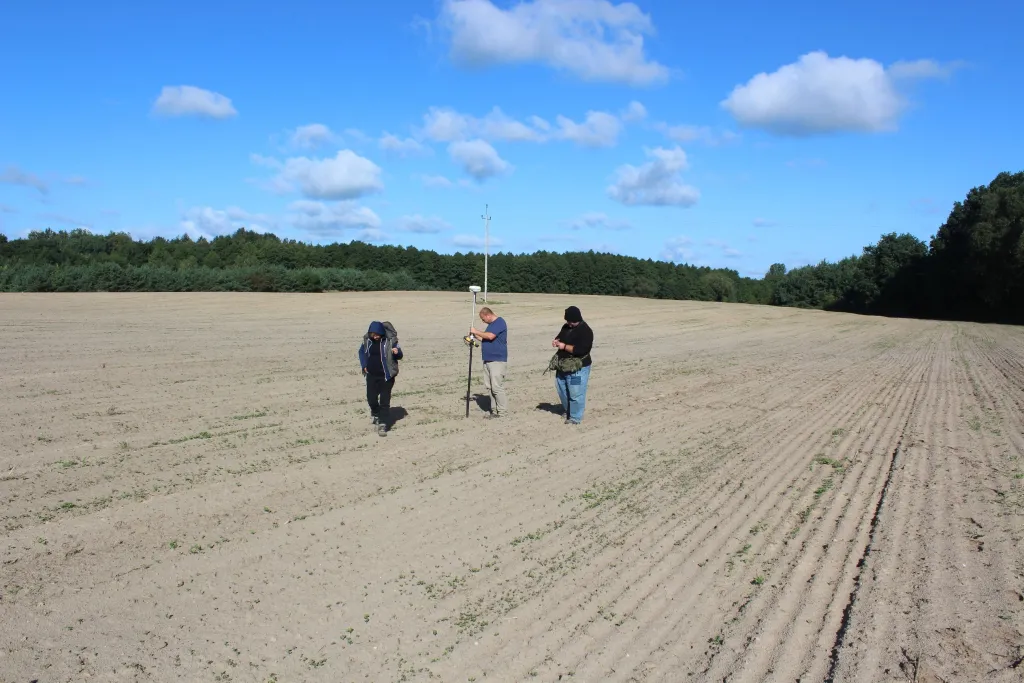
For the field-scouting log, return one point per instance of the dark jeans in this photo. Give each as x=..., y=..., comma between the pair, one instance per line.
x=378, y=396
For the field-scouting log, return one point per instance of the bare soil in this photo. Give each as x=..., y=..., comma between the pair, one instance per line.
x=192, y=490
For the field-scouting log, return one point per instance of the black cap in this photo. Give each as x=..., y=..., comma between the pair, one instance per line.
x=573, y=315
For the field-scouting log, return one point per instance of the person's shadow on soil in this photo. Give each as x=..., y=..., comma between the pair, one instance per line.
x=483, y=402
x=397, y=413
x=555, y=408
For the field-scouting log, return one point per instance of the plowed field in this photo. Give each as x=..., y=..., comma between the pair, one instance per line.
x=191, y=489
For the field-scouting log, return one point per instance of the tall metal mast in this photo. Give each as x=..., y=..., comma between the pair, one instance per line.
x=487, y=245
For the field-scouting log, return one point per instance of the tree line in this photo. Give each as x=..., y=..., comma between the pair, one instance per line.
x=972, y=269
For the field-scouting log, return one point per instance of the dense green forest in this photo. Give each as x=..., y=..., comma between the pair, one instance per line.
x=973, y=268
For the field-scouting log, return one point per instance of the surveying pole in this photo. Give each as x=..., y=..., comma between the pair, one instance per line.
x=487, y=245
x=470, y=343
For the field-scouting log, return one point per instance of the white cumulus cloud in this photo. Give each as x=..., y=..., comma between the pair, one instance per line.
x=444, y=124
x=399, y=147
x=598, y=129
x=208, y=222
x=478, y=159
x=188, y=100
x=678, y=250
x=312, y=135
x=655, y=183
x=634, y=112
x=326, y=220
x=819, y=94
x=346, y=175
x=424, y=225
x=595, y=40
x=372, y=235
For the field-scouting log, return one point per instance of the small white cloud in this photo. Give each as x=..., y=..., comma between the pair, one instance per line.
x=325, y=220
x=436, y=181
x=188, y=100
x=372, y=235
x=679, y=249
x=685, y=133
x=498, y=126
x=311, y=136
x=76, y=181
x=656, y=183
x=729, y=252
x=474, y=242
x=634, y=112
x=444, y=124
x=208, y=222
x=595, y=219
x=598, y=129
x=819, y=94
x=764, y=223
x=424, y=225
x=346, y=175
x=922, y=68
x=13, y=175
x=539, y=123
x=399, y=147
x=478, y=159
x=594, y=40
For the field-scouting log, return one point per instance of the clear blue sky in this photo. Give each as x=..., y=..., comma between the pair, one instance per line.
x=738, y=137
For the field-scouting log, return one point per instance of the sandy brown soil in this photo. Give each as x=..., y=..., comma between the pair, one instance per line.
x=191, y=490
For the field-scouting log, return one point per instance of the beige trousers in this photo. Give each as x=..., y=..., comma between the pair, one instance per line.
x=494, y=377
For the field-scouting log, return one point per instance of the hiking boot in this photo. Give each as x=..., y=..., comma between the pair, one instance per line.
x=374, y=419
x=382, y=429
x=494, y=416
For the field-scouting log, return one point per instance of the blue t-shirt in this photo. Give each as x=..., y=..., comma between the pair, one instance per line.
x=497, y=348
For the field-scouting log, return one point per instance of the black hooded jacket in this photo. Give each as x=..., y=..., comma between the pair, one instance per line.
x=580, y=338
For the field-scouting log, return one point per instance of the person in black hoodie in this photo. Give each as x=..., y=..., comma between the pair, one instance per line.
x=574, y=341
x=378, y=356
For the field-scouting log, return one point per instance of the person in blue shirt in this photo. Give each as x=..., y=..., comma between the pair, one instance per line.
x=494, y=350
x=379, y=354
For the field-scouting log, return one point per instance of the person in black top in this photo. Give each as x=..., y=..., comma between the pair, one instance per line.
x=379, y=354
x=574, y=341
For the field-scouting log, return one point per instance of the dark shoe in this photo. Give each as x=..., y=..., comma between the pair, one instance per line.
x=374, y=419
x=382, y=430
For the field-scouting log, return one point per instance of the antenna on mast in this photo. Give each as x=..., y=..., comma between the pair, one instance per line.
x=487, y=245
